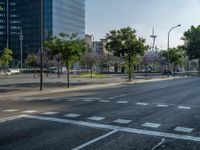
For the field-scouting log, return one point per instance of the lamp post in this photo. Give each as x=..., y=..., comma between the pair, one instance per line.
x=21, y=38
x=168, y=67
x=41, y=46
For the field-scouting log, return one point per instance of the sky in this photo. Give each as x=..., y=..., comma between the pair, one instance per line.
x=142, y=15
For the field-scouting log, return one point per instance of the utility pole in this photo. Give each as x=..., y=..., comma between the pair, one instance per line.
x=21, y=38
x=153, y=36
x=7, y=24
x=41, y=44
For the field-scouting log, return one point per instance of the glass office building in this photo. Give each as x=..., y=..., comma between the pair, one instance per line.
x=67, y=16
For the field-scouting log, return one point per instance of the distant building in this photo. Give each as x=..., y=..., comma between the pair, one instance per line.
x=100, y=46
x=67, y=16
x=89, y=42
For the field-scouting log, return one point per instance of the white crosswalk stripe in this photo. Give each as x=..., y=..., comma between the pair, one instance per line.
x=122, y=121
x=122, y=102
x=11, y=110
x=30, y=111
x=151, y=125
x=183, y=129
x=96, y=118
x=71, y=115
x=143, y=104
x=184, y=107
x=50, y=113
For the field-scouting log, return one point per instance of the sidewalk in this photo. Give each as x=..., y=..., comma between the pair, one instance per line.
x=27, y=85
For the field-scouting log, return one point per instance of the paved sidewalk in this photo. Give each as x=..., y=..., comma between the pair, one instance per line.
x=23, y=85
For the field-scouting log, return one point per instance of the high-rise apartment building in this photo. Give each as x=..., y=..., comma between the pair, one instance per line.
x=67, y=16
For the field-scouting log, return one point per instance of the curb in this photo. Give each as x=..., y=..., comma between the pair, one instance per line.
x=31, y=93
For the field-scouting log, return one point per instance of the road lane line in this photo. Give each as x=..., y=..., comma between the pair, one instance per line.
x=151, y=125
x=122, y=102
x=122, y=121
x=162, y=105
x=183, y=129
x=159, y=144
x=114, y=97
x=120, y=128
x=71, y=115
x=88, y=100
x=30, y=111
x=142, y=104
x=104, y=101
x=11, y=118
x=184, y=107
x=96, y=118
x=50, y=113
x=95, y=140
x=11, y=110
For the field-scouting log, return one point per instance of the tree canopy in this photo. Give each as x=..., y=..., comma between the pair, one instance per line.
x=5, y=57
x=191, y=40
x=125, y=43
x=68, y=47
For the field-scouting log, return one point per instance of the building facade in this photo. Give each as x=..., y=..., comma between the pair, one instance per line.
x=67, y=16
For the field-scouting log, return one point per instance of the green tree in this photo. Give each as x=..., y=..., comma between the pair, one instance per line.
x=68, y=47
x=31, y=61
x=176, y=57
x=5, y=57
x=125, y=43
x=191, y=40
x=88, y=60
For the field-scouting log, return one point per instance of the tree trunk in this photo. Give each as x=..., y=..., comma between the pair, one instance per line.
x=58, y=69
x=68, y=75
x=129, y=68
x=91, y=72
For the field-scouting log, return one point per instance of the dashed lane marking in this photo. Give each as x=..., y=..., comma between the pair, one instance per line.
x=120, y=128
x=104, y=101
x=50, y=113
x=71, y=115
x=122, y=95
x=96, y=118
x=183, y=129
x=122, y=102
x=184, y=107
x=142, y=104
x=95, y=140
x=151, y=125
x=30, y=111
x=11, y=110
x=122, y=121
x=11, y=118
x=88, y=100
x=162, y=105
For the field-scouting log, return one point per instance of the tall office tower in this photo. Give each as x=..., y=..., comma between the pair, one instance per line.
x=67, y=16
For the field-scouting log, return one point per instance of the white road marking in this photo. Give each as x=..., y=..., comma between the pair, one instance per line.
x=122, y=102
x=143, y=104
x=95, y=140
x=151, y=125
x=10, y=110
x=184, y=107
x=162, y=105
x=104, y=101
x=30, y=111
x=122, y=121
x=113, y=127
x=50, y=113
x=96, y=118
x=72, y=115
x=11, y=118
x=159, y=144
x=183, y=129
x=114, y=97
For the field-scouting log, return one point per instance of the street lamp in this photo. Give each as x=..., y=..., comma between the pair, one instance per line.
x=168, y=46
x=21, y=38
x=41, y=46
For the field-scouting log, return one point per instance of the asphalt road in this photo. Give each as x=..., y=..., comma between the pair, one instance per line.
x=150, y=116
